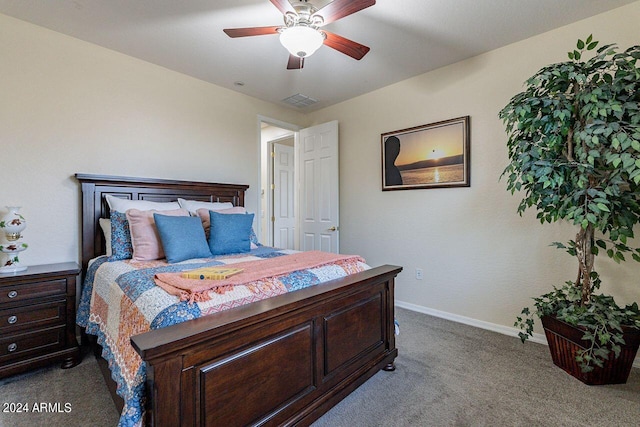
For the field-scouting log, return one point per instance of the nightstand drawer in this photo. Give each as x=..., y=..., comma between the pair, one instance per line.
x=32, y=290
x=41, y=341
x=32, y=316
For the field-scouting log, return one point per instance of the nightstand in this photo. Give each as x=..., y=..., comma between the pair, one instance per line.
x=37, y=318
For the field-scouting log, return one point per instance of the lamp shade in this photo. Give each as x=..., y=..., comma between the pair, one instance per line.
x=301, y=41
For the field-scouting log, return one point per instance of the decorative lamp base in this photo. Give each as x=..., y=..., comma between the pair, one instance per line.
x=12, y=269
x=9, y=261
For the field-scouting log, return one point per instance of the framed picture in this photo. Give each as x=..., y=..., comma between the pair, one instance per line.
x=436, y=155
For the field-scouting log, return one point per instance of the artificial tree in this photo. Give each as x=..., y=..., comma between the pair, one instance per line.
x=574, y=151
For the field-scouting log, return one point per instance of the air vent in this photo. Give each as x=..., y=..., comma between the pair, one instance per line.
x=299, y=100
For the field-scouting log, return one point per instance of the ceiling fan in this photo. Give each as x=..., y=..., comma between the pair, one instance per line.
x=301, y=33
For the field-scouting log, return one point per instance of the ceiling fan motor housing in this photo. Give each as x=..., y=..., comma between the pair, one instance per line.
x=303, y=15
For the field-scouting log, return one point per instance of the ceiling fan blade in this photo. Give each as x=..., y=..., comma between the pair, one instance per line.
x=346, y=46
x=340, y=8
x=251, y=31
x=283, y=6
x=295, y=63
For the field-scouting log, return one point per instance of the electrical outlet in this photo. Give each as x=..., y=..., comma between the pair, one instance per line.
x=419, y=273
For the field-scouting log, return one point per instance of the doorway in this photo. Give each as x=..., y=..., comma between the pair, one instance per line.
x=275, y=134
x=299, y=187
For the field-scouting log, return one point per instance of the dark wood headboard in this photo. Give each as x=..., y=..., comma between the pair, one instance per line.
x=94, y=205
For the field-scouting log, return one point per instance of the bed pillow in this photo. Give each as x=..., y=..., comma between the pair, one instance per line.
x=193, y=205
x=120, y=237
x=182, y=237
x=105, y=226
x=203, y=213
x=123, y=205
x=230, y=233
x=206, y=222
x=145, y=239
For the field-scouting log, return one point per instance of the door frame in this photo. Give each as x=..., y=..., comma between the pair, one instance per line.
x=263, y=191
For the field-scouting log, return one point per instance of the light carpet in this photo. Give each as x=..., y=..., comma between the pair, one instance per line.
x=447, y=374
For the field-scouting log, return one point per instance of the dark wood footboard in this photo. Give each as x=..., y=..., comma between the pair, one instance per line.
x=282, y=361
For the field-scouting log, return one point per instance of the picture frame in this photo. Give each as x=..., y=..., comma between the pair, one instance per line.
x=435, y=155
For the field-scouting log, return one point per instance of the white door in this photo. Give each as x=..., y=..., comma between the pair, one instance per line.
x=319, y=196
x=284, y=220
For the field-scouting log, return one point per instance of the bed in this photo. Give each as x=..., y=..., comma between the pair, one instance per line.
x=285, y=360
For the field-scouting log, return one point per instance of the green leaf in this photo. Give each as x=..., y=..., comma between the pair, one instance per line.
x=580, y=44
x=627, y=162
x=603, y=207
x=592, y=45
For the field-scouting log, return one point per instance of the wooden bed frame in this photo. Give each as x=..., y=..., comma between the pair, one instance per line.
x=282, y=361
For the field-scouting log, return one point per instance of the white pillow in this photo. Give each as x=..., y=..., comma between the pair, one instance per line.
x=123, y=205
x=105, y=225
x=193, y=205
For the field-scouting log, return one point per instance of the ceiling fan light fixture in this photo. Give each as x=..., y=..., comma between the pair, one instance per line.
x=301, y=41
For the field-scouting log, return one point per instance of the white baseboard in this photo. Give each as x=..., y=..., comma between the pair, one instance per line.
x=506, y=330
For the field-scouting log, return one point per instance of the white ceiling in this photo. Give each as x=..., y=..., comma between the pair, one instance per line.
x=406, y=37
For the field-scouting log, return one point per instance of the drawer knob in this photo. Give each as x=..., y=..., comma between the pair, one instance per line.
x=12, y=294
x=12, y=347
x=12, y=319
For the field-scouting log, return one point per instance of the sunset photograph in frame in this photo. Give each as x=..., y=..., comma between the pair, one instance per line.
x=436, y=155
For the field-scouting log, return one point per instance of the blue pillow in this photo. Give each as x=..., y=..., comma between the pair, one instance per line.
x=182, y=237
x=121, y=247
x=230, y=233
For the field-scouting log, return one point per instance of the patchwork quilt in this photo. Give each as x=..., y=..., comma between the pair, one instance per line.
x=121, y=299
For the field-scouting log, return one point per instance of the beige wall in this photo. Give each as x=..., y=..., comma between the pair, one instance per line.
x=481, y=260
x=70, y=106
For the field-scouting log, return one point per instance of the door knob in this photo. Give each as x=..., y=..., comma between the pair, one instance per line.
x=334, y=228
